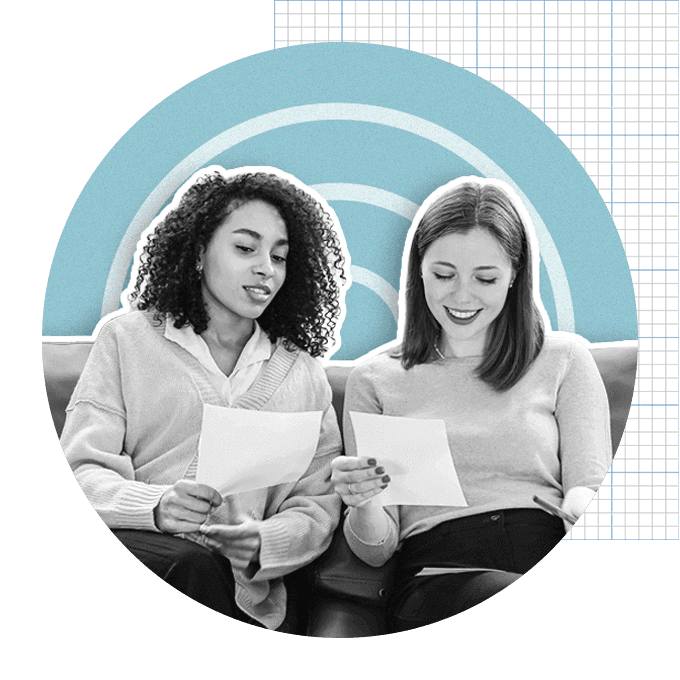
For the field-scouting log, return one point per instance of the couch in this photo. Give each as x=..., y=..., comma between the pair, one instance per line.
x=346, y=597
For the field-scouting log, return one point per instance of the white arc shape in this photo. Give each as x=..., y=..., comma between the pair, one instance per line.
x=362, y=193
x=376, y=283
x=365, y=113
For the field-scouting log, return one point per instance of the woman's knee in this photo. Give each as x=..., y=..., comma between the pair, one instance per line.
x=194, y=562
x=440, y=597
x=482, y=586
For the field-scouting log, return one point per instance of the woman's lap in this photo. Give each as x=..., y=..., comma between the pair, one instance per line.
x=202, y=575
x=511, y=541
x=205, y=576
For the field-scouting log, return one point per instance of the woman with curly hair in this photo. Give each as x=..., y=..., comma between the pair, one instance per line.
x=525, y=411
x=237, y=292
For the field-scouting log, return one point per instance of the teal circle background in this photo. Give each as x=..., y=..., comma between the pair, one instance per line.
x=332, y=151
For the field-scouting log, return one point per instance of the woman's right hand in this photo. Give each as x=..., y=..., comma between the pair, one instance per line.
x=357, y=479
x=185, y=506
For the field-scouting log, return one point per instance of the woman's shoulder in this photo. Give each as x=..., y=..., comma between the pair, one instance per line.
x=129, y=320
x=560, y=350
x=300, y=374
x=560, y=343
x=300, y=361
x=383, y=364
x=129, y=329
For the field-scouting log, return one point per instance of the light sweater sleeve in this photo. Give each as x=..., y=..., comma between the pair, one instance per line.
x=361, y=395
x=582, y=414
x=93, y=441
x=302, y=526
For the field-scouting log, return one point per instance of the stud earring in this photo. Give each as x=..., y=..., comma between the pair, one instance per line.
x=199, y=266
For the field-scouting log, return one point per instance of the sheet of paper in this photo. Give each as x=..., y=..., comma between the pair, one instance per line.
x=438, y=571
x=242, y=450
x=415, y=453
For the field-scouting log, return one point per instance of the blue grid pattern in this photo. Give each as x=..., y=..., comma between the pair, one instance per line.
x=603, y=75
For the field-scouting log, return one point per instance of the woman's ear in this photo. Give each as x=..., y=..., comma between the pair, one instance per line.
x=199, y=259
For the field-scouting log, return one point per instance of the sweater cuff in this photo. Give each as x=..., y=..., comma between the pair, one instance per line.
x=357, y=538
x=576, y=500
x=274, y=547
x=373, y=554
x=135, y=507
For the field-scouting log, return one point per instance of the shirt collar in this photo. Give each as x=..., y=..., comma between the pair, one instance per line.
x=257, y=349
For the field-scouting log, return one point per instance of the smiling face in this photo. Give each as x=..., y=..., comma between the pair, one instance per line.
x=244, y=264
x=466, y=276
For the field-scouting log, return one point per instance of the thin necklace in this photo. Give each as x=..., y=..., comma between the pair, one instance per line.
x=438, y=351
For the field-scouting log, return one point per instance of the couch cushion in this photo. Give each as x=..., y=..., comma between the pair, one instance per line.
x=63, y=363
x=617, y=363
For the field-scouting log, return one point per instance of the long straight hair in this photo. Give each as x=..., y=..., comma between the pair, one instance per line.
x=516, y=336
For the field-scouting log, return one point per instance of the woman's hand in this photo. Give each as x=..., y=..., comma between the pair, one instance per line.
x=239, y=543
x=356, y=479
x=185, y=506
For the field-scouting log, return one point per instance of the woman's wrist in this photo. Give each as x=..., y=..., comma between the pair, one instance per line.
x=369, y=522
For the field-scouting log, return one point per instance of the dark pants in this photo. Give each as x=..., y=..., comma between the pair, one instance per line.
x=201, y=574
x=512, y=541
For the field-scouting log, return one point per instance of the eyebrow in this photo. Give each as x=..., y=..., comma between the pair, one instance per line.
x=258, y=236
x=453, y=266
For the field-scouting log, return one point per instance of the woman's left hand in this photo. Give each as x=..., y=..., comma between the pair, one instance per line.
x=575, y=503
x=239, y=543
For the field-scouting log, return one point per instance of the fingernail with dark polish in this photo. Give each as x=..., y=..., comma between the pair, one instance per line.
x=372, y=461
x=386, y=479
x=380, y=471
x=384, y=486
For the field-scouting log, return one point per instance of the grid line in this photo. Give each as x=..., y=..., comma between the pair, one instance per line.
x=604, y=77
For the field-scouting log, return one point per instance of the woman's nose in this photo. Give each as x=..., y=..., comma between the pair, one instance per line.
x=458, y=288
x=461, y=293
x=265, y=268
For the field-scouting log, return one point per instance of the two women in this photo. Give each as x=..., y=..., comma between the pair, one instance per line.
x=237, y=291
x=525, y=411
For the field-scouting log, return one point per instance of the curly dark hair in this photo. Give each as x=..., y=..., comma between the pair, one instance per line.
x=306, y=309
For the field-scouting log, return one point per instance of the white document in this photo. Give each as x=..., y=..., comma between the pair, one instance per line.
x=415, y=454
x=439, y=571
x=242, y=450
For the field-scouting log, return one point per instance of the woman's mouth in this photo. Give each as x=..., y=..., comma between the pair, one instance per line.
x=462, y=317
x=258, y=293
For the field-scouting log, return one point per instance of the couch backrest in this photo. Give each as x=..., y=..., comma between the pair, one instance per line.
x=617, y=363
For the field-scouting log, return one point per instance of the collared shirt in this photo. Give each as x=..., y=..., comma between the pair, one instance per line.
x=251, y=362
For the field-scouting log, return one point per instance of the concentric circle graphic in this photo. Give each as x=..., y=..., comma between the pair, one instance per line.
x=325, y=112
x=374, y=130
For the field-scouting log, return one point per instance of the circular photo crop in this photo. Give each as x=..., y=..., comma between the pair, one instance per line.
x=340, y=340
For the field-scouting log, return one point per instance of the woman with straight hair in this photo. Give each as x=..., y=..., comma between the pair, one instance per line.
x=525, y=411
x=237, y=292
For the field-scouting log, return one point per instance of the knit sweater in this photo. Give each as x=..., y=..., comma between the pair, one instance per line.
x=132, y=431
x=545, y=435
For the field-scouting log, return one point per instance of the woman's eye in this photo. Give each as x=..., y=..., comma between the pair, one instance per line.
x=442, y=277
x=244, y=249
x=278, y=258
x=487, y=281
